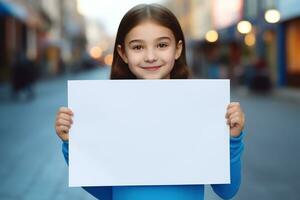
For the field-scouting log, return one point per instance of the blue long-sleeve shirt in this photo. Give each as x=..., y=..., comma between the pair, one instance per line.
x=174, y=192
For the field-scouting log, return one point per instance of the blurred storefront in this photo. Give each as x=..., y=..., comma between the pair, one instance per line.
x=290, y=30
x=293, y=52
x=241, y=39
x=277, y=42
x=49, y=33
x=213, y=44
x=224, y=19
x=63, y=45
x=19, y=25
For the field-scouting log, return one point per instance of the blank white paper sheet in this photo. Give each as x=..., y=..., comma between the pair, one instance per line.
x=148, y=132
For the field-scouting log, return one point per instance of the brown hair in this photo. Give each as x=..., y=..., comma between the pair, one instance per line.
x=135, y=16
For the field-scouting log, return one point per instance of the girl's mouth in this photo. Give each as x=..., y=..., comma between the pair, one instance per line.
x=151, y=68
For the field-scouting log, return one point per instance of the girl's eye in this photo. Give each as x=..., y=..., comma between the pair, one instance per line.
x=162, y=45
x=137, y=47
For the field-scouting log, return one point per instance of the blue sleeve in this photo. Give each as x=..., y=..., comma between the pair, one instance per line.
x=227, y=191
x=105, y=193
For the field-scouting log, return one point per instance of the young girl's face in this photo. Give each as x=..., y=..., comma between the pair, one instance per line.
x=150, y=50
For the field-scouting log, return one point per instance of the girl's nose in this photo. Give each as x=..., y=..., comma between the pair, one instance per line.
x=150, y=56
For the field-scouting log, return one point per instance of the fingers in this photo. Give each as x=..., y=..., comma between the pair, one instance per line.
x=65, y=117
x=65, y=110
x=234, y=115
x=233, y=108
x=233, y=111
x=63, y=129
x=63, y=122
x=63, y=133
x=233, y=104
x=234, y=121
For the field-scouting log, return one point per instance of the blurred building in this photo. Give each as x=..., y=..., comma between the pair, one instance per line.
x=216, y=43
x=289, y=42
x=64, y=43
x=100, y=43
x=199, y=17
x=20, y=28
x=277, y=42
x=49, y=32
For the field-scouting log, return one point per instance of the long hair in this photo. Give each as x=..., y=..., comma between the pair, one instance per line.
x=134, y=17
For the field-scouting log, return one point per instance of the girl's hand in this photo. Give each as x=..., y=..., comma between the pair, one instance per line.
x=235, y=119
x=63, y=123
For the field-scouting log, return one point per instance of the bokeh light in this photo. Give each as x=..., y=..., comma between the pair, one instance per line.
x=108, y=59
x=212, y=36
x=272, y=16
x=96, y=52
x=244, y=27
x=250, y=39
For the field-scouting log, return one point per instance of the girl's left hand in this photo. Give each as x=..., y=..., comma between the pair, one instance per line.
x=235, y=119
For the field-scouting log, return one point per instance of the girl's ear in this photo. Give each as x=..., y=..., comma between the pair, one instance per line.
x=178, y=49
x=122, y=54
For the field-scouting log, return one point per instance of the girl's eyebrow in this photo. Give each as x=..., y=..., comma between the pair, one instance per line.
x=163, y=38
x=160, y=38
x=132, y=41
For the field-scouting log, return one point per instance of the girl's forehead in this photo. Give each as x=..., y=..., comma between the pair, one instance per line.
x=149, y=30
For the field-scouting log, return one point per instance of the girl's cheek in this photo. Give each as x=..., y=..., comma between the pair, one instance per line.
x=169, y=52
x=168, y=56
x=135, y=57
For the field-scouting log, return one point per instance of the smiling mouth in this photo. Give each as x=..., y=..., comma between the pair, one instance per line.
x=151, y=68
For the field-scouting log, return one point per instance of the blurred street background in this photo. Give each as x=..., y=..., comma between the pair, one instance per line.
x=44, y=43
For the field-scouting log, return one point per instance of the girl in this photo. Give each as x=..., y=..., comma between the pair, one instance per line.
x=150, y=45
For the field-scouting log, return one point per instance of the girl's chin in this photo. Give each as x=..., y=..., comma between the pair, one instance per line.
x=155, y=76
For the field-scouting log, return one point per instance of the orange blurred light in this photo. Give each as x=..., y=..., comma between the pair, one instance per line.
x=96, y=52
x=108, y=59
x=250, y=39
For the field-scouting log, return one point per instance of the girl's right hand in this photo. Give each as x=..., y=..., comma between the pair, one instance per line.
x=63, y=123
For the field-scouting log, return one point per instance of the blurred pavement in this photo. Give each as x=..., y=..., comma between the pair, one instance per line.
x=32, y=165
